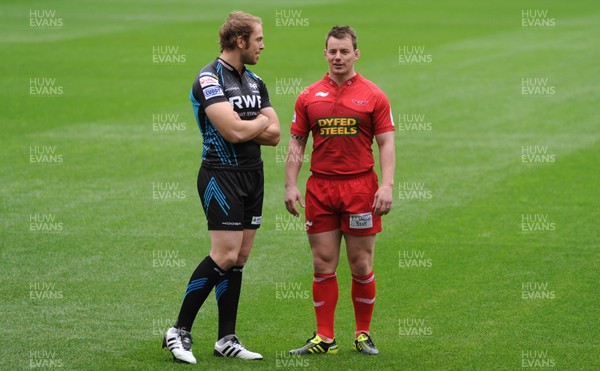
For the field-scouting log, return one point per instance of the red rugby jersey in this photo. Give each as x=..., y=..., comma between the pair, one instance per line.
x=343, y=121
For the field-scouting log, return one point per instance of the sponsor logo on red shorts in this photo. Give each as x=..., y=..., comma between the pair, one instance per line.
x=361, y=221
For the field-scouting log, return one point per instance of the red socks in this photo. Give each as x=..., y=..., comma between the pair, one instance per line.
x=325, y=297
x=363, y=298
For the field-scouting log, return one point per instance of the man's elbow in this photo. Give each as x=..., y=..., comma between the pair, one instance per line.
x=275, y=140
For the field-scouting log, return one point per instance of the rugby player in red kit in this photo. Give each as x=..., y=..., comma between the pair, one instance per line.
x=344, y=198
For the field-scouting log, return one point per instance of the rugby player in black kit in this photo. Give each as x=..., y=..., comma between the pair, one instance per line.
x=235, y=117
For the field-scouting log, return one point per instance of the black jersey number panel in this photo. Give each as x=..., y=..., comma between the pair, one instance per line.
x=247, y=94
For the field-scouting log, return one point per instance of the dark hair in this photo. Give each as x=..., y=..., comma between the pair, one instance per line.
x=341, y=32
x=237, y=24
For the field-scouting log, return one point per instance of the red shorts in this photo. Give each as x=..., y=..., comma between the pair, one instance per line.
x=342, y=202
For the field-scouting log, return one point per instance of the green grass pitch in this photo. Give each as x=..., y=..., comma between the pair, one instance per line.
x=488, y=261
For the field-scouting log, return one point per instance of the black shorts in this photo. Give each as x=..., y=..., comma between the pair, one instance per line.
x=232, y=200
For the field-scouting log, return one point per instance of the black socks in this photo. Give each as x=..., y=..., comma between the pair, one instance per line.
x=227, y=292
x=204, y=278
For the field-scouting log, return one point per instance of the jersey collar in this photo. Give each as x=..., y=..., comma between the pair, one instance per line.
x=230, y=67
x=348, y=82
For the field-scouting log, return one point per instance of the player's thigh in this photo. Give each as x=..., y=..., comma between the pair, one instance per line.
x=360, y=251
x=325, y=247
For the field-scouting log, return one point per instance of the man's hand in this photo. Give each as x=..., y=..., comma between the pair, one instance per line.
x=231, y=127
x=271, y=135
x=383, y=200
x=293, y=195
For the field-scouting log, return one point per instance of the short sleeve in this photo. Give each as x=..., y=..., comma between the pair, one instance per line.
x=300, y=125
x=382, y=115
x=207, y=89
x=264, y=95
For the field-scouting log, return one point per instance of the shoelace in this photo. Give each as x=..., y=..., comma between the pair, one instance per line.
x=236, y=341
x=310, y=339
x=186, y=345
x=369, y=343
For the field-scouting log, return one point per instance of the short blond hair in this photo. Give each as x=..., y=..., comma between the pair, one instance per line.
x=237, y=24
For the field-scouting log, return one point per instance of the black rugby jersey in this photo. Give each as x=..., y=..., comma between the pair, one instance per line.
x=247, y=94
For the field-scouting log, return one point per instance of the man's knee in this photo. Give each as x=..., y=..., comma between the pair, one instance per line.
x=361, y=267
x=360, y=260
x=241, y=259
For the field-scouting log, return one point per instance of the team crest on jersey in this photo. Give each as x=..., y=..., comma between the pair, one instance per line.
x=360, y=102
x=338, y=126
